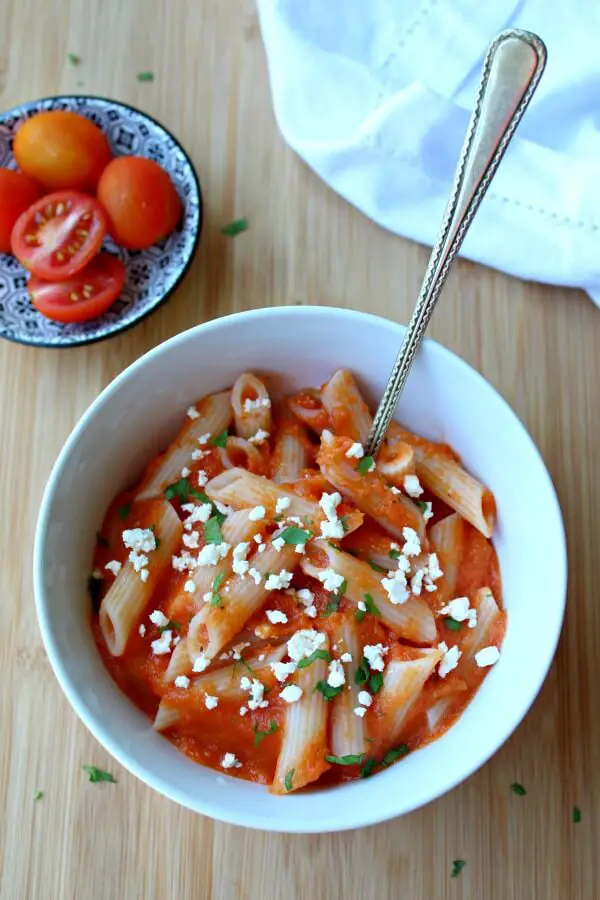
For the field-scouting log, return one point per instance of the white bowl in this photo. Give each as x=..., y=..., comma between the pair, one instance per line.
x=444, y=399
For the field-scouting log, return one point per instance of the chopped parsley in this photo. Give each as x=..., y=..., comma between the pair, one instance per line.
x=235, y=227
x=38, y=795
x=318, y=654
x=457, y=867
x=73, y=59
x=518, y=789
x=170, y=626
x=145, y=76
x=215, y=600
x=422, y=505
x=368, y=767
x=576, y=815
x=179, y=489
x=363, y=675
x=372, y=607
x=212, y=531
x=394, y=754
x=293, y=535
x=375, y=682
x=394, y=554
x=102, y=540
x=96, y=775
x=344, y=521
x=124, y=511
x=260, y=735
x=352, y=759
x=287, y=781
x=365, y=465
x=332, y=606
x=220, y=440
x=375, y=567
x=328, y=692
x=452, y=624
x=278, y=519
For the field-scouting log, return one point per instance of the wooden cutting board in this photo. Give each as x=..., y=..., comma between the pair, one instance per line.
x=539, y=346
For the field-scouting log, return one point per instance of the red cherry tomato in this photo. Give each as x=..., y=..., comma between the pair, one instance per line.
x=84, y=296
x=59, y=234
x=17, y=193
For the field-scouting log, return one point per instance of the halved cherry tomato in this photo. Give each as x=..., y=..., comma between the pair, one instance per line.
x=17, y=192
x=84, y=296
x=59, y=234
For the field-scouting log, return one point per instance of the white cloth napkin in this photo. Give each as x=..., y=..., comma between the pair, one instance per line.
x=376, y=95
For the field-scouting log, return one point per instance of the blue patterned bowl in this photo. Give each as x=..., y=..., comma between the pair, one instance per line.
x=153, y=274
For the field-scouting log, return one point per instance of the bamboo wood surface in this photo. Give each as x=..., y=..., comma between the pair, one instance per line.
x=538, y=345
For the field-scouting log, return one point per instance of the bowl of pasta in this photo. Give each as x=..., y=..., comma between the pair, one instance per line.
x=264, y=623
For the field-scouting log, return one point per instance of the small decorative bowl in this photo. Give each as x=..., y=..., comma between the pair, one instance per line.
x=152, y=274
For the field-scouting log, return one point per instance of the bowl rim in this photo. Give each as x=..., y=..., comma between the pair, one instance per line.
x=118, y=328
x=158, y=782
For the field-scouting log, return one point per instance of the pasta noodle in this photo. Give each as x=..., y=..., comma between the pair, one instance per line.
x=251, y=406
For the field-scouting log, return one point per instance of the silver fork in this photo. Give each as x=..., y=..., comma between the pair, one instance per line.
x=511, y=73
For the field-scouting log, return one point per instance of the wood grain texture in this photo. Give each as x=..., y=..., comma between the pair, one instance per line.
x=539, y=346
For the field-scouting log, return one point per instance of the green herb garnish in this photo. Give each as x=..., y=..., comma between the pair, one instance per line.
x=344, y=521
x=365, y=465
x=124, y=511
x=375, y=682
x=518, y=789
x=215, y=600
x=332, y=606
x=170, y=626
x=38, y=795
x=352, y=759
x=457, y=867
x=328, y=692
x=372, y=607
x=394, y=554
x=287, y=782
x=278, y=518
x=102, y=540
x=180, y=489
x=220, y=440
x=452, y=624
x=375, y=567
x=361, y=675
x=394, y=754
x=145, y=76
x=212, y=531
x=96, y=775
x=318, y=654
x=576, y=815
x=368, y=767
x=235, y=227
x=293, y=535
x=260, y=735
x=73, y=59
x=422, y=504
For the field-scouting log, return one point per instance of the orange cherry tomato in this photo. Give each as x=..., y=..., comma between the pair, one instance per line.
x=140, y=200
x=17, y=192
x=59, y=234
x=84, y=296
x=61, y=149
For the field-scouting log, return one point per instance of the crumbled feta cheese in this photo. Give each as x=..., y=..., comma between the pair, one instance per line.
x=304, y=642
x=199, y=454
x=362, y=605
x=142, y=539
x=276, y=617
x=142, y=630
x=204, y=438
x=282, y=504
x=364, y=698
x=255, y=574
x=300, y=548
x=258, y=538
x=230, y=761
x=240, y=564
x=356, y=451
x=329, y=504
x=416, y=582
x=278, y=582
x=306, y=598
x=359, y=711
x=237, y=650
x=211, y=702
x=261, y=657
x=394, y=489
x=326, y=436
x=256, y=690
x=144, y=575
x=182, y=681
x=282, y=670
x=176, y=640
x=296, y=520
x=192, y=412
x=487, y=656
x=260, y=437
x=158, y=618
x=459, y=610
x=336, y=676
x=192, y=540
x=331, y=580
x=346, y=657
x=243, y=710
x=138, y=560
x=262, y=548
x=223, y=508
x=395, y=586
x=201, y=513
x=211, y=554
x=394, y=546
x=428, y=511
x=184, y=561
x=256, y=514
x=412, y=546
x=162, y=644
x=202, y=478
x=201, y=663
x=291, y=693
x=259, y=403
x=449, y=660
x=185, y=472
x=332, y=530
x=374, y=654
x=279, y=544
x=207, y=597
x=113, y=566
x=190, y=586
x=433, y=572
x=412, y=486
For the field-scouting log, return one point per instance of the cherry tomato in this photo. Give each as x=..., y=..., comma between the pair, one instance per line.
x=59, y=234
x=17, y=192
x=141, y=203
x=84, y=296
x=61, y=149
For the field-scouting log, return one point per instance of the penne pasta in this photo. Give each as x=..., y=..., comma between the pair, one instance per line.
x=395, y=462
x=239, y=452
x=347, y=729
x=307, y=406
x=290, y=454
x=239, y=488
x=302, y=756
x=347, y=411
x=489, y=621
x=179, y=663
x=447, y=539
x=210, y=416
x=251, y=406
x=131, y=590
x=403, y=681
